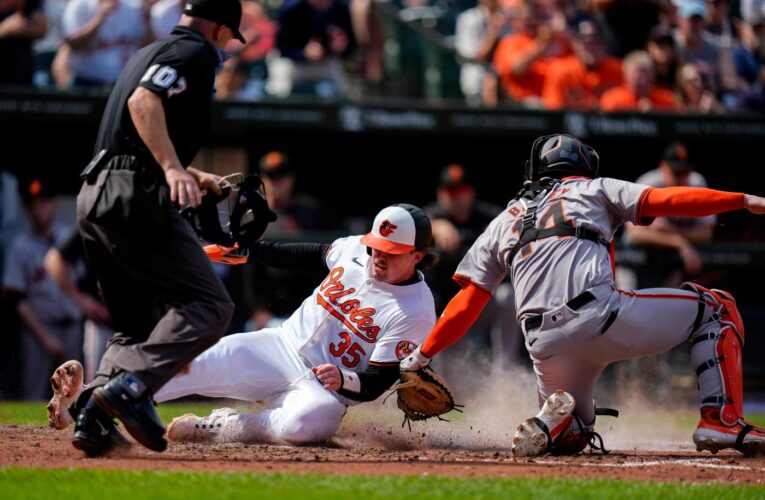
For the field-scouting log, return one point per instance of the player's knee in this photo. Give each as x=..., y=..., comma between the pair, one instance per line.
x=318, y=424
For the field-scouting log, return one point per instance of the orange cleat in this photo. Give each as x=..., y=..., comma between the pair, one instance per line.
x=712, y=435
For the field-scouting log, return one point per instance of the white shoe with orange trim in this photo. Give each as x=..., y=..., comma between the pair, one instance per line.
x=536, y=435
x=712, y=435
x=67, y=386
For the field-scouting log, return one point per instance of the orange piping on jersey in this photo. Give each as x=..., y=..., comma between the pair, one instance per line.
x=571, y=177
x=658, y=295
x=640, y=219
x=685, y=201
x=459, y=315
x=464, y=281
x=612, y=256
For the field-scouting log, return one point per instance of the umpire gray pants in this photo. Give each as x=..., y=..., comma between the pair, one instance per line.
x=166, y=301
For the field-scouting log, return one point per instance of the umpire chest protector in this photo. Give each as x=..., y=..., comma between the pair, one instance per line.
x=533, y=194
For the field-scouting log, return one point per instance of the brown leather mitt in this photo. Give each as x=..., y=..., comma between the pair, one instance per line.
x=424, y=394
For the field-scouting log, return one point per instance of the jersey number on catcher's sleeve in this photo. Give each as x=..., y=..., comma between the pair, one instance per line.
x=350, y=352
x=553, y=216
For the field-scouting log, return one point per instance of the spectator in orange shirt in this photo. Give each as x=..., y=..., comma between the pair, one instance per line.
x=523, y=59
x=639, y=91
x=579, y=80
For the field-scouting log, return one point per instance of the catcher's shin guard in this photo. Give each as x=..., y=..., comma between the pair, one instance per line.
x=716, y=352
x=539, y=434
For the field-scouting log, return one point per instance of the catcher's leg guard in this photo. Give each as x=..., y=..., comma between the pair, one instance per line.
x=718, y=338
x=537, y=435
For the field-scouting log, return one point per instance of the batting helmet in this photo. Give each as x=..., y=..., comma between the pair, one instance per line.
x=561, y=155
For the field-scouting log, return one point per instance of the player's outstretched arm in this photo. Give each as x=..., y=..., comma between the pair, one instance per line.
x=457, y=318
x=755, y=204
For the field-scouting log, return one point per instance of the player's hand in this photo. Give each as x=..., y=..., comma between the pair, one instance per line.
x=754, y=204
x=314, y=50
x=183, y=187
x=329, y=375
x=691, y=258
x=54, y=347
x=446, y=235
x=414, y=361
x=92, y=308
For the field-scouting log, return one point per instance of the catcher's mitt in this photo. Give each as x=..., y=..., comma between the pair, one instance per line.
x=423, y=394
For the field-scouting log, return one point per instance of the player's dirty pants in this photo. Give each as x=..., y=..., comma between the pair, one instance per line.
x=262, y=366
x=166, y=301
x=571, y=348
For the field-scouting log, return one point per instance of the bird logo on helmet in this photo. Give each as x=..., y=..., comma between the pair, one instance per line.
x=561, y=155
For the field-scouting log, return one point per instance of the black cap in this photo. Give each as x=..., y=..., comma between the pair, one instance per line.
x=676, y=156
x=274, y=164
x=36, y=189
x=225, y=12
x=453, y=176
x=588, y=28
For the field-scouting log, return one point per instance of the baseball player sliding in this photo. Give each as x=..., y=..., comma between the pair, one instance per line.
x=553, y=240
x=342, y=346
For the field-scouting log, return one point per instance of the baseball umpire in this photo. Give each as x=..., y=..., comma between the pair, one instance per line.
x=553, y=240
x=167, y=303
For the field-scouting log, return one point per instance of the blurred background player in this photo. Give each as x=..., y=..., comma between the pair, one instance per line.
x=459, y=217
x=51, y=328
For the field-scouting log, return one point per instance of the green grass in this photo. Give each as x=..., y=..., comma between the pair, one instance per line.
x=100, y=484
x=33, y=413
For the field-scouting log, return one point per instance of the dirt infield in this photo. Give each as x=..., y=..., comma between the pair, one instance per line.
x=28, y=446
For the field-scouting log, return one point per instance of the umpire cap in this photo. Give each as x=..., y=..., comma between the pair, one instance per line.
x=225, y=12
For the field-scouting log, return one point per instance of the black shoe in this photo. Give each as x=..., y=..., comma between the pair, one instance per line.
x=96, y=434
x=125, y=397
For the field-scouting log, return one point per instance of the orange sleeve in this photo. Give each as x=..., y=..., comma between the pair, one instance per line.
x=457, y=318
x=688, y=202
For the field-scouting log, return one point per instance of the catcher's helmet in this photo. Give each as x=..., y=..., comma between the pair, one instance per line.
x=561, y=155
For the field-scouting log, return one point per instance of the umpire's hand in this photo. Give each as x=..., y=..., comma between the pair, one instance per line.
x=184, y=189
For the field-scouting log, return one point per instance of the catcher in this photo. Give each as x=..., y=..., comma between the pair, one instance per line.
x=553, y=239
x=341, y=347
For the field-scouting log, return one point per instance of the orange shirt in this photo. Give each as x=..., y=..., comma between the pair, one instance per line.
x=622, y=98
x=514, y=47
x=569, y=84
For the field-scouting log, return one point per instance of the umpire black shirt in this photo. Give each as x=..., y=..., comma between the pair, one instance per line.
x=181, y=70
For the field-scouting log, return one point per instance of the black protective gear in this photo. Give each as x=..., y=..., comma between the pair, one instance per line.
x=249, y=215
x=561, y=155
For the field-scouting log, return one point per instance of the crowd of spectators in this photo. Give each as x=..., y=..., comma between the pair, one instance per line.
x=694, y=56
x=686, y=56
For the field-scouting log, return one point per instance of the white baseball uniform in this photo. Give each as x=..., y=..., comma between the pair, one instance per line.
x=573, y=344
x=350, y=320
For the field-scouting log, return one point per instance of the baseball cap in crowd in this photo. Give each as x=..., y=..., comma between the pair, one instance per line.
x=36, y=189
x=676, y=156
x=454, y=176
x=691, y=8
x=225, y=12
x=661, y=33
x=274, y=164
x=399, y=229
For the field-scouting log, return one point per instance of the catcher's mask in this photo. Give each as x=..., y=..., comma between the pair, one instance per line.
x=248, y=213
x=561, y=155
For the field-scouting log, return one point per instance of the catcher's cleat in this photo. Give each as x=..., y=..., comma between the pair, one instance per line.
x=536, y=435
x=67, y=385
x=190, y=428
x=712, y=435
x=126, y=397
x=96, y=434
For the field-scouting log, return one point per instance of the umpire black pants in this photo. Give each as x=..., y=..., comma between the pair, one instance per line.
x=166, y=301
